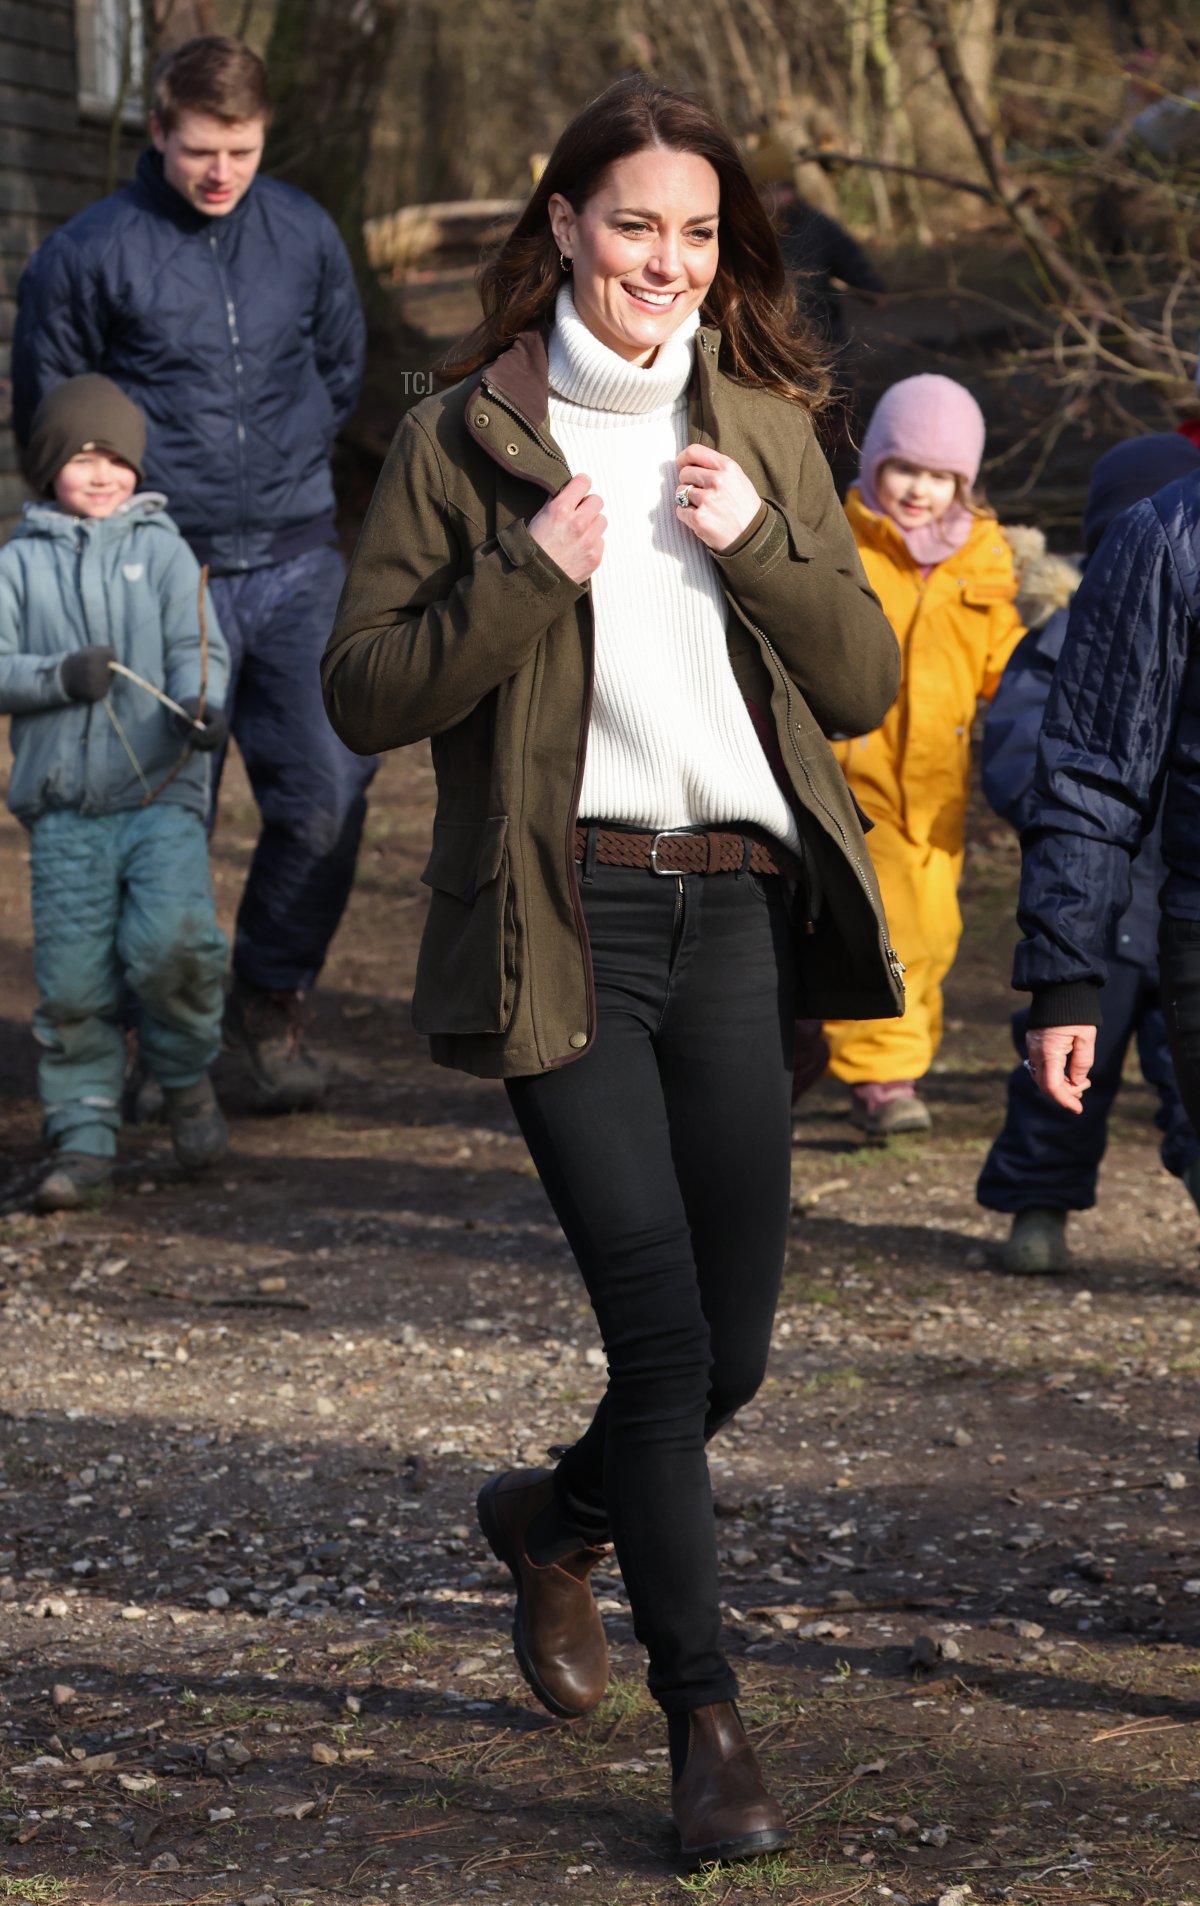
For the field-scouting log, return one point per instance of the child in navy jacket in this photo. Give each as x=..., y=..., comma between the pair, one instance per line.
x=1045, y=1161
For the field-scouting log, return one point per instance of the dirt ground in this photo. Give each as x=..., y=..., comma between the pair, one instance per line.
x=252, y=1646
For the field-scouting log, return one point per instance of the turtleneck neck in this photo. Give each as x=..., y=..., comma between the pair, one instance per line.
x=584, y=371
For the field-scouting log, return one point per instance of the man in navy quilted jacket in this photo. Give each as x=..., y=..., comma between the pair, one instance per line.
x=225, y=305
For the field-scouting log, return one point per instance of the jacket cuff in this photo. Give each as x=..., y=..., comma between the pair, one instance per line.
x=1071, y=1003
x=759, y=548
x=525, y=553
x=748, y=534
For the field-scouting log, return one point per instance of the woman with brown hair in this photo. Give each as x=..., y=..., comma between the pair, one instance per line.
x=607, y=573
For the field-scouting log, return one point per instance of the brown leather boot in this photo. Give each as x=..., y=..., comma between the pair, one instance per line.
x=558, y=1636
x=721, y=1807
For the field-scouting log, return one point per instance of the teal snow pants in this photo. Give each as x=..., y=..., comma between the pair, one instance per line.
x=121, y=899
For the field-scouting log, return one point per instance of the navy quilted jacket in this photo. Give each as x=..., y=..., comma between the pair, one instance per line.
x=1121, y=732
x=241, y=337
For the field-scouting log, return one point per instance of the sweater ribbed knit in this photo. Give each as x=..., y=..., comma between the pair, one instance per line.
x=671, y=743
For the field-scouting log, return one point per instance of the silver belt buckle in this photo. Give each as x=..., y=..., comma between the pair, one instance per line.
x=665, y=833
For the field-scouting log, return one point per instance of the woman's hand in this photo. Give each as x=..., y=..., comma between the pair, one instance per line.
x=570, y=528
x=1060, y=1058
x=722, y=501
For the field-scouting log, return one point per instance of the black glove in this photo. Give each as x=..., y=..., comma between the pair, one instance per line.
x=214, y=730
x=85, y=674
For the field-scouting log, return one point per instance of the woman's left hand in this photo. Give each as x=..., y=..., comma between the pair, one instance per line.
x=722, y=502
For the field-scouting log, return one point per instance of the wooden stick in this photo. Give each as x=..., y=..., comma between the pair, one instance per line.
x=247, y=1300
x=123, y=738
x=119, y=668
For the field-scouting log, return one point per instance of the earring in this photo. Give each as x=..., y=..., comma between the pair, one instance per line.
x=564, y=261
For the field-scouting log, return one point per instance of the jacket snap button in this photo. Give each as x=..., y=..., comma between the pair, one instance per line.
x=513, y=449
x=482, y=419
x=578, y=1040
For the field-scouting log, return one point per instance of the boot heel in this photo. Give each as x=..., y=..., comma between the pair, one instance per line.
x=489, y=1523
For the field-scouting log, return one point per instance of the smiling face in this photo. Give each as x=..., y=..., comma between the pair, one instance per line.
x=912, y=496
x=643, y=249
x=94, y=483
x=211, y=162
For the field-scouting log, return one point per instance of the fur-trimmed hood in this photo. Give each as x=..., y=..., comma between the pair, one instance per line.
x=1045, y=583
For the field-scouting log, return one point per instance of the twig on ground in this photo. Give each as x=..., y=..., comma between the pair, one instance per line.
x=242, y=1300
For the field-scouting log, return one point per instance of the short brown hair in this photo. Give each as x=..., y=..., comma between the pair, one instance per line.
x=210, y=74
x=748, y=300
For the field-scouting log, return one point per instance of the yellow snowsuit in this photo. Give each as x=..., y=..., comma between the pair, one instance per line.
x=957, y=628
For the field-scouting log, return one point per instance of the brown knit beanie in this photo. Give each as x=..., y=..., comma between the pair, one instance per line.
x=89, y=412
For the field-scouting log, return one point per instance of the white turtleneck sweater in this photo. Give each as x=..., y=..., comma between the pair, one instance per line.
x=671, y=743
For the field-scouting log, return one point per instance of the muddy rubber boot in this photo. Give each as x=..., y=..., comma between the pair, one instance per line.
x=269, y=1029
x=719, y=1801
x=558, y=1636
x=199, y=1134
x=144, y=1103
x=1037, y=1243
x=75, y=1179
x=889, y=1109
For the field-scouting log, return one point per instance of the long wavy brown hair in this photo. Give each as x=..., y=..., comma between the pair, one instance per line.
x=749, y=300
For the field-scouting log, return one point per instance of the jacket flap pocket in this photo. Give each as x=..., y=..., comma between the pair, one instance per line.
x=981, y=595
x=465, y=855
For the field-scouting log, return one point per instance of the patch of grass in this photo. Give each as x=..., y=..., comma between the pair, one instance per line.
x=770, y=1873
x=822, y=1380
x=32, y=1887
x=416, y=1641
x=798, y=1289
x=709, y=1882
x=235, y=1713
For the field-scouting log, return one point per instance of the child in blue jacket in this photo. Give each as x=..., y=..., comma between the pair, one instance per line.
x=1045, y=1161
x=113, y=785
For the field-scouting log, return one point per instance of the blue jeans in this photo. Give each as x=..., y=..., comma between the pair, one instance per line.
x=1047, y=1157
x=121, y=899
x=310, y=789
x=666, y=1153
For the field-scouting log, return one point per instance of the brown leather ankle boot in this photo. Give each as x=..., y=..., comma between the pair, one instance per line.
x=721, y=1806
x=558, y=1636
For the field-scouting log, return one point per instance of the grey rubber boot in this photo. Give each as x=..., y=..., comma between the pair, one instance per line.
x=1037, y=1243
x=199, y=1134
x=75, y=1179
x=269, y=1029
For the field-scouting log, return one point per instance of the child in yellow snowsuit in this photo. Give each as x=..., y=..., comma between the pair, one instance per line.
x=941, y=568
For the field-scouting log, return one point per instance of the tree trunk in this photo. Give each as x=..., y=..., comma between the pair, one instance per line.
x=327, y=63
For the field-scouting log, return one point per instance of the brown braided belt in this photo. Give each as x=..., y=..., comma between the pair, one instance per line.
x=676, y=852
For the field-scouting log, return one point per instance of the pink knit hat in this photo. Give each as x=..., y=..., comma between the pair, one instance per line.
x=936, y=424
x=928, y=420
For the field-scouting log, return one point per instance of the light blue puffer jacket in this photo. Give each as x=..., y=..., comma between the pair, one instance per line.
x=130, y=582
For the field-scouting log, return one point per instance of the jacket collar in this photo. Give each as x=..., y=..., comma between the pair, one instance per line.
x=520, y=379
x=46, y=519
x=874, y=530
x=172, y=204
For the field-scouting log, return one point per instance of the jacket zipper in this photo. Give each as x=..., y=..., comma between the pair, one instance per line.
x=585, y=722
x=235, y=345
x=893, y=958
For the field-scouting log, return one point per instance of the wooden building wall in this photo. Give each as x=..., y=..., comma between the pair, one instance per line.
x=53, y=160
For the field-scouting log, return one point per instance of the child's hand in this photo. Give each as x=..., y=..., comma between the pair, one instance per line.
x=213, y=727
x=1060, y=1058
x=85, y=674
x=721, y=500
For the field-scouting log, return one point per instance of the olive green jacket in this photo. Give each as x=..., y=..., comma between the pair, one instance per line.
x=455, y=624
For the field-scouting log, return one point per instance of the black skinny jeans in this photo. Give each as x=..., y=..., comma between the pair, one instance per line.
x=666, y=1153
